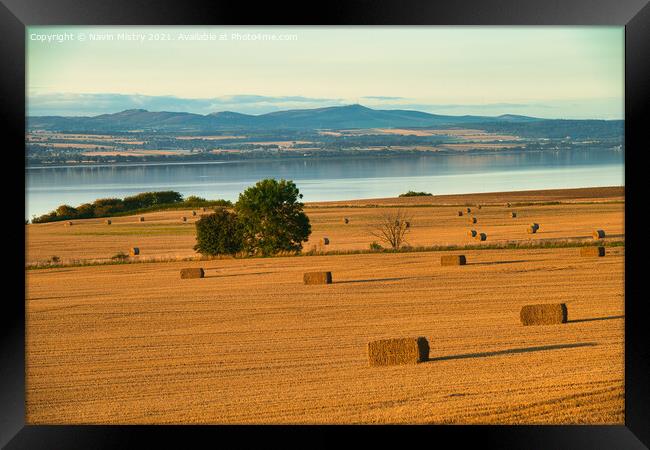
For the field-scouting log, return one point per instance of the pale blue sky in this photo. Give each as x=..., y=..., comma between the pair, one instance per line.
x=559, y=72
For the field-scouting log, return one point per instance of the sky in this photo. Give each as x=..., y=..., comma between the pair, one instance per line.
x=551, y=72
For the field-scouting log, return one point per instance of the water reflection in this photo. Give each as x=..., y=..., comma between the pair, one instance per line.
x=331, y=179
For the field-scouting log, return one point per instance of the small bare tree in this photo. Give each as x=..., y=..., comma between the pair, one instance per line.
x=392, y=228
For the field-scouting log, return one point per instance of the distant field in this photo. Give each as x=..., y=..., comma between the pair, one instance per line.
x=250, y=343
x=164, y=235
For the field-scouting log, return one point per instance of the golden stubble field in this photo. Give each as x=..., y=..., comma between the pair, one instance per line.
x=251, y=344
x=164, y=235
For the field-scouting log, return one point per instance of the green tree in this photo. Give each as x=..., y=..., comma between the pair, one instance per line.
x=272, y=217
x=66, y=212
x=218, y=234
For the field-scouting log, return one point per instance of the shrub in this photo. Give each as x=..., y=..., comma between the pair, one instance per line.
x=416, y=194
x=392, y=228
x=218, y=234
x=375, y=246
x=272, y=218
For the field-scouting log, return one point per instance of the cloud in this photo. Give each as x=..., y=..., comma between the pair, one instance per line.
x=381, y=97
x=66, y=104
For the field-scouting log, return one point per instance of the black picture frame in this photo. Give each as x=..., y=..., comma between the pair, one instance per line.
x=15, y=15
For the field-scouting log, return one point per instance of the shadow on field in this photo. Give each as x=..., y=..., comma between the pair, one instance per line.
x=594, y=319
x=498, y=262
x=237, y=274
x=513, y=350
x=375, y=280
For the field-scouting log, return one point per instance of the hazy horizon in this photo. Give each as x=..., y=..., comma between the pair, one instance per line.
x=545, y=72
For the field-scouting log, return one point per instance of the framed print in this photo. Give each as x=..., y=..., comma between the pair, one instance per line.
x=390, y=213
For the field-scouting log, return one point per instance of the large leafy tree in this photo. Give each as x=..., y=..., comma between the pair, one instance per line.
x=272, y=217
x=218, y=234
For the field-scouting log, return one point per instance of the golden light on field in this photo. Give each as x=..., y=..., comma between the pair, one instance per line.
x=250, y=343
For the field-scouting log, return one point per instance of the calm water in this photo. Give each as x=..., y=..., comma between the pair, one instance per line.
x=330, y=179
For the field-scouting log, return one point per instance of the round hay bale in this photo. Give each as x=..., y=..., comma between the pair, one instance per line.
x=471, y=233
x=479, y=206
x=346, y=220
x=68, y=224
x=513, y=214
x=598, y=234
x=204, y=209
x=507, y=205
x=194, y=213
x=473, y=220
x=108, y=222
x=481, y=237
x=133, y=251
x=141, y=219
x=469, y=210
x=531, y=230
x=184, y=219
x=460, y=213
x=407, y=224
x=325, y=241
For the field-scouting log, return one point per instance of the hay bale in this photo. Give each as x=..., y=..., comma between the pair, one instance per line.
x=192, y=273
x=481, y=237
x=204, y=209
x=531, y=230
x=324, y=241
x=68, y=224
x=513, y=214
x=317, y=278
x=398, y=351
x=460, y=213
x=453, y=260
x=346, y=220
x=471, y=233
x=108, y=222
x=469, y=210
x=592, y=251
x=141, y=219
x=473, y=220
x=598, y=234
x=133, y=251
x=545, y=314
x=507, y=205
x=194, y=213
x=479, y=206
x=407, y=224
x=184, y=219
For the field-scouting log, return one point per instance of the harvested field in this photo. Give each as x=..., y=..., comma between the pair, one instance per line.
x=251, y=344
x=165, y=236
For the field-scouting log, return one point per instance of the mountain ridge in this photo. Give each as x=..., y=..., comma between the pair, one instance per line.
x=332, y=117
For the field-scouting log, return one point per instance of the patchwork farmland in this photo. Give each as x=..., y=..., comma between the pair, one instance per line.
x=250, y=342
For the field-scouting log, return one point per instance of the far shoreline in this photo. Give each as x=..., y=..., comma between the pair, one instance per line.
x=610, y=193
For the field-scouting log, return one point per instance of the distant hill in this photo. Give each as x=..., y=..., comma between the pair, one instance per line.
x=337, y=117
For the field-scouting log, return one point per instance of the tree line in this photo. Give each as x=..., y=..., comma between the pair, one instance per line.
x=107, y=207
